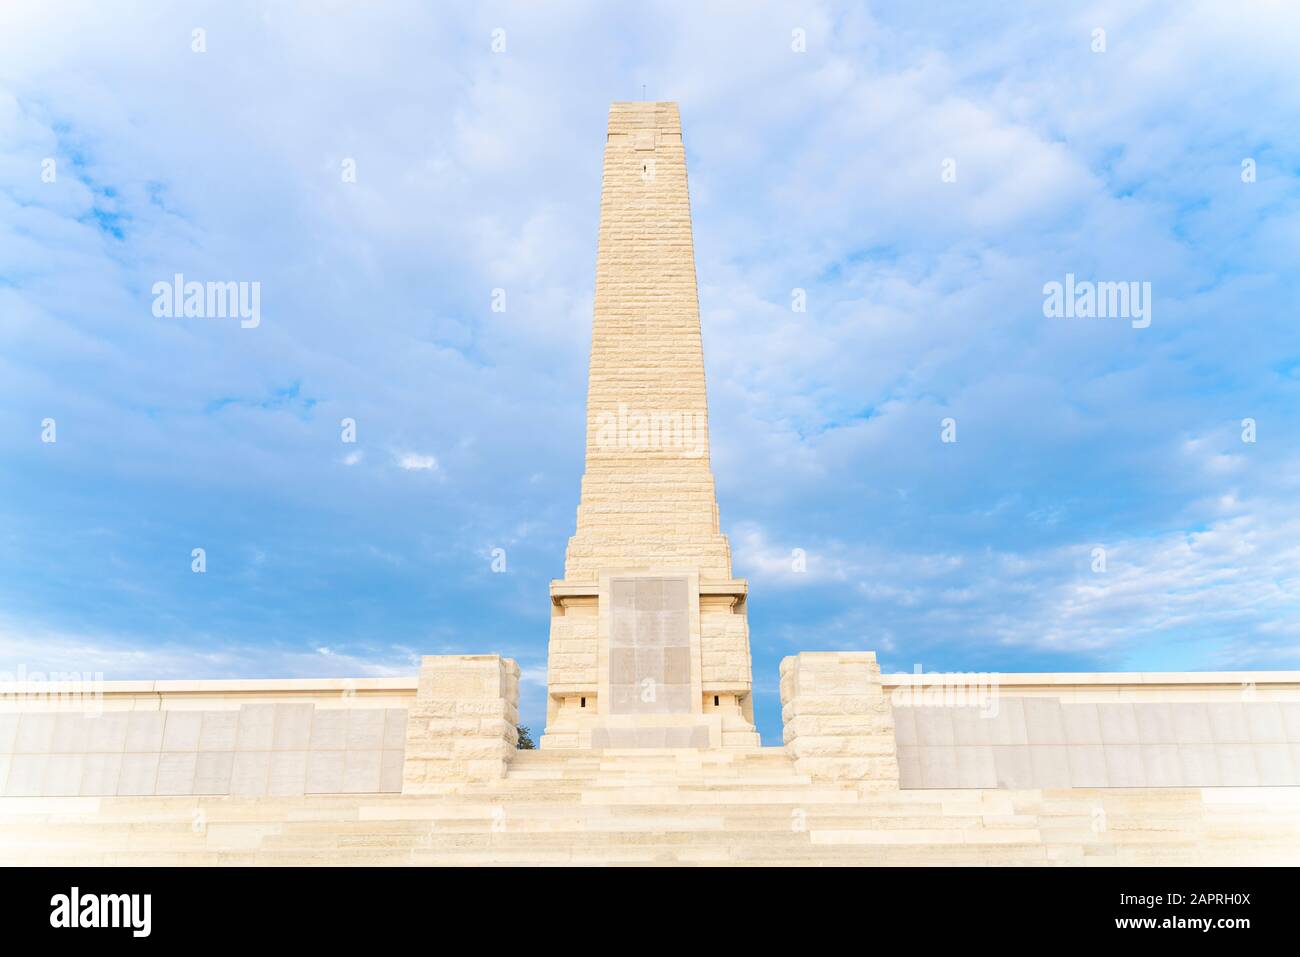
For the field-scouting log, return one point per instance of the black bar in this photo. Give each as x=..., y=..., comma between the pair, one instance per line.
x=496, y=908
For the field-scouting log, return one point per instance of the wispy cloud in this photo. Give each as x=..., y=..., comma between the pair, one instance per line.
x=414, y=462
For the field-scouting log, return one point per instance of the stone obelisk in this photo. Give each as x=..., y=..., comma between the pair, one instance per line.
x=649, y=643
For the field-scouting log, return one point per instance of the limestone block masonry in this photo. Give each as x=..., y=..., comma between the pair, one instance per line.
x=839, y=723
x=648, y=510
x=463, y=724
x=647, y=492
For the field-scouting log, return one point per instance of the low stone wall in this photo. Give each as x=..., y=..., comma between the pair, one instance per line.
x=462, y=726
x=1014, y=742
x=262, y=737
x=845, y=722
x=254, y=749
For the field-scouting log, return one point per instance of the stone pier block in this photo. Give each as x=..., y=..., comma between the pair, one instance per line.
x=463, y=725
x=839, y=723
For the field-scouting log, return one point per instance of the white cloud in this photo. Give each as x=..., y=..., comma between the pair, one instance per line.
x=34, y=647
x=412, y=461
x=1219, y=597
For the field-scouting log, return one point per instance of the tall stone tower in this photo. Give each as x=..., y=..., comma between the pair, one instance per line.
x=649, y=642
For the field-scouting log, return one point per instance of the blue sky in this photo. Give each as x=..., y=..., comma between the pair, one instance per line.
x=818, y=170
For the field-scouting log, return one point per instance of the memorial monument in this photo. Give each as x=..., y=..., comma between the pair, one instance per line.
x=649, y=644
x=650, y=753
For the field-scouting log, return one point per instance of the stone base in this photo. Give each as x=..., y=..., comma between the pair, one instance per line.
x=650, y=731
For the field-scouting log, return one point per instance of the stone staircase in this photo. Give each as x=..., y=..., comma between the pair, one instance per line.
x=737, y=807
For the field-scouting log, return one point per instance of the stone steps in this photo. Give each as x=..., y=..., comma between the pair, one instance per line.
x=662, y=807
x=540, y=776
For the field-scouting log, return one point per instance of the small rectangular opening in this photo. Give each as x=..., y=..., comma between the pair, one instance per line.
x=715, y=701
x=582, y=703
